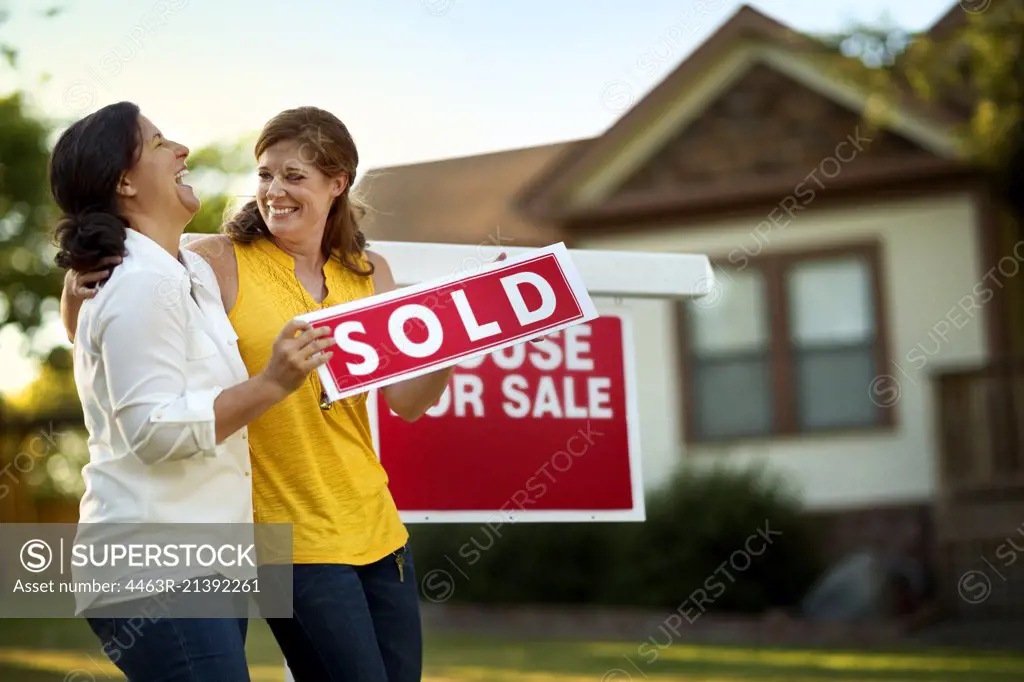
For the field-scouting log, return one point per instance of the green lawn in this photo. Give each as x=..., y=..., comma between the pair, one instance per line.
x=65, y=651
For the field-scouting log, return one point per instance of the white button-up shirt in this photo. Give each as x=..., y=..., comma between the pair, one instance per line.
x=153, y=350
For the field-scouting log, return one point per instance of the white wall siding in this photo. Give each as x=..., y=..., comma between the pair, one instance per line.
x=930, y=263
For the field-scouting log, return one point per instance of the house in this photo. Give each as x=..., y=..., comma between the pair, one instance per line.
x=860, y=270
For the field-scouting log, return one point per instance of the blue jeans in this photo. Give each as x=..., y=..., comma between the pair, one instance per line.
x=353, y=623
x=175, y=649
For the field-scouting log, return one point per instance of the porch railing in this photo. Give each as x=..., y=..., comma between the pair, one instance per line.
x=981, y=431
x=979, y=511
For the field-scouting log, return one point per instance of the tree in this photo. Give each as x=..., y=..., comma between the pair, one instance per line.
x=977, y=69
x=27, y=275
x=29, y=282
x=972, y=65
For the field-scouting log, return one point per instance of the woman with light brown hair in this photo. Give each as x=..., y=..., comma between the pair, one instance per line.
x=296, y=248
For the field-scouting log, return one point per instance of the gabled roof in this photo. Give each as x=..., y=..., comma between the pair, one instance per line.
x=518, y=196
x=747, y=26
x=460, y=200
x=954, y=18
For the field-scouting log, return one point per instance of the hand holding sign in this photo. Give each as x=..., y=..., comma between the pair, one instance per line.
x=412, y=331
x=297, y=351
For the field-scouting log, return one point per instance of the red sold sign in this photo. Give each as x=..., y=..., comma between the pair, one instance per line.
x=415, y=330
x=543, y=431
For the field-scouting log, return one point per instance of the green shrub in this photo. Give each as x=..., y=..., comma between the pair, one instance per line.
x=696, y=525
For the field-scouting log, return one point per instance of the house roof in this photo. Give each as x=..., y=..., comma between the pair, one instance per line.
x=459, y=200
x=544, y=194
x=745, y=22
x=517, y=193
x=953, y=19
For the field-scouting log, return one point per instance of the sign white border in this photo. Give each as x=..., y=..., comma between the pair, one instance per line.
x=637, y=513
x=632, y=274
x=559, y=251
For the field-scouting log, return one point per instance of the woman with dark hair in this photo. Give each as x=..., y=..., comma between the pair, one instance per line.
x=297, y=247
x=166, y=396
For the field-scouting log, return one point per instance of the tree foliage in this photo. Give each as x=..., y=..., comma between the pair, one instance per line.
x=30, y=283
x=215, y=168
x=974, y=71
x=27, y=274
x=977, y=70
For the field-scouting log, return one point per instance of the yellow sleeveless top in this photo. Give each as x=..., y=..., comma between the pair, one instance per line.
x=315, y=469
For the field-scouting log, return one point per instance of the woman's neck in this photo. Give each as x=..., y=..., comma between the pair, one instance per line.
x=306, y=254
x=165, y=235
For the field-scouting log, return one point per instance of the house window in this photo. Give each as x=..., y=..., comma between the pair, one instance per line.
x=731, y=359
x=788, y=344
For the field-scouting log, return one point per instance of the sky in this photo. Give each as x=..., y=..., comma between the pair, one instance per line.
x=414, y=80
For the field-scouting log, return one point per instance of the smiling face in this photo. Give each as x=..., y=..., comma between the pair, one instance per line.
x=154, y=184
x=294, y=197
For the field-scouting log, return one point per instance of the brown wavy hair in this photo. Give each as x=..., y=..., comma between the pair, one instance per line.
x=325, y=142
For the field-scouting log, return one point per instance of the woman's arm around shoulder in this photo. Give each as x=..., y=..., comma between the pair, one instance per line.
x=80, y=287
x=218, y=251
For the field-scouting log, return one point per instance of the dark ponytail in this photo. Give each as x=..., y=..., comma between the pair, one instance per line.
x=87, y=238
x=86, y=166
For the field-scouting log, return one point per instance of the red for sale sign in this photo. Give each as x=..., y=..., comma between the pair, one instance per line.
x=538, y=431
x=405, y=333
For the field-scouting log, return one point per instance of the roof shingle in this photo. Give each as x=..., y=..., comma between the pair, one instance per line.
x=462, y=200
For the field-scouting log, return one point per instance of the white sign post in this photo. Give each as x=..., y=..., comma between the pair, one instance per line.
x=627, y=274
x=624, y=274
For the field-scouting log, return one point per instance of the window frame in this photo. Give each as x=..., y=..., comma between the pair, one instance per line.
x=782, y=356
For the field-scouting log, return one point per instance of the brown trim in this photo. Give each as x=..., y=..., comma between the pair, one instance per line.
x=954, y=18
x=774, y=267
x=685, y=369
x=761, y=207
x=783, y=408
x=990, y=247
x=713, y=198
x=1003, y=416
x=883, y=337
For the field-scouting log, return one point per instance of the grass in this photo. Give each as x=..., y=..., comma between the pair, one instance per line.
x=66, y=651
